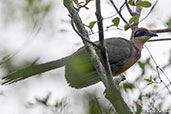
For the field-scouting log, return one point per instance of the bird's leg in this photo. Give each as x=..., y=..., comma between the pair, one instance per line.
x=118, y=79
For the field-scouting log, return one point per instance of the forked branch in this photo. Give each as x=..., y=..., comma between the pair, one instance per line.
x=112, y=93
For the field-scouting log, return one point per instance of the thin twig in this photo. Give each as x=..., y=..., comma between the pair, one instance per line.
x=119, y=13
x=163, y=39
x=162, y=30
x=158, y=68
x=112, y=93
x=136, y=23
x=156, y=31
x=123, y=6
x=137, y=14
x=149, y=12
x=87, y=40
x=129, y=10
x=164, y=74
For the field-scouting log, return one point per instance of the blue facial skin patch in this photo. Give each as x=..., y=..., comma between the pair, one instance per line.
x=141, y=33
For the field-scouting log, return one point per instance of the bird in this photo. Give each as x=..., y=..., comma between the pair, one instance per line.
x=80, y=71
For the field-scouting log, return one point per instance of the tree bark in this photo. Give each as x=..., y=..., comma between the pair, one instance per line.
x=112, y=93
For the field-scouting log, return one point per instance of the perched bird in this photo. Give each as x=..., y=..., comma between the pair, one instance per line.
x=79, y=70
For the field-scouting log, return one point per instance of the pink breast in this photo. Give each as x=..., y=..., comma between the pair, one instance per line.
x=135, y=55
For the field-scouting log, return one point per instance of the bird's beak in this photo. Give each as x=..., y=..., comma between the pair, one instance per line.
x=152, y=34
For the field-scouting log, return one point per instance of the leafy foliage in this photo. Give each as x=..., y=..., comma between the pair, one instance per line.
x=35, y=11
x=168, y=23
x=139, y=108
x=126, y=86
x=126, y=27
x=116, y=21
x=149, y=80
x=90, y=25
x=132, y=19
x=145, y=4
x=132, y=2
x=82, y=4
x=144, y=64
x=59, y=107
x=96, y=107
x=32, y=12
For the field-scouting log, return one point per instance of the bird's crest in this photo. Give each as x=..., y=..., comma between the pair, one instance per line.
x=141, y=32
x=142, y=28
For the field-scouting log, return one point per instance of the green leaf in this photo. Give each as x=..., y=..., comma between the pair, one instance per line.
x=126, y=27
x=141, y=65
x=131, y=2
x=148, y=61
x=91, y=25
x=47, y=8
x=145, y=4
x=131, y=20
x=82, y=24
x=116, y=21
x=76, y=2
x=140, y=9
x=139, y=108
x=148, y=80
x=168, y=23
x=127, y=85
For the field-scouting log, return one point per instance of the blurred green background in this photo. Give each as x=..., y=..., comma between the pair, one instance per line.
x=37, y=31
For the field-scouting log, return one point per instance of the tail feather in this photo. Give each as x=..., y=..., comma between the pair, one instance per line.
x=80, y=72
x=33, y=70
x=80, y=81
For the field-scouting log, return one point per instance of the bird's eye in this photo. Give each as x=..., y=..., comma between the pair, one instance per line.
x=140, y=33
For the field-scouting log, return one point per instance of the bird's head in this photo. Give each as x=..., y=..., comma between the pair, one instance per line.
x=143, y=34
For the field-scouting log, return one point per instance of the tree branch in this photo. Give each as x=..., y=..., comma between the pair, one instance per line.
x=101, y=40
x=87, y=40
x=137, y=14
x=120, y=9
x=90, y=49
x=164, y=39
x=149, y=12
x=129, y=9
x=162, y=30
x=123, y=5
x=112, y=93
x=119, y=13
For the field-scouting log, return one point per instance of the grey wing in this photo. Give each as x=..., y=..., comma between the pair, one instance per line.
x=119, y=51
x=80, y=71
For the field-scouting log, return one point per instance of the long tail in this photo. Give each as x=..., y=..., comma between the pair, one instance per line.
x=33, y=70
